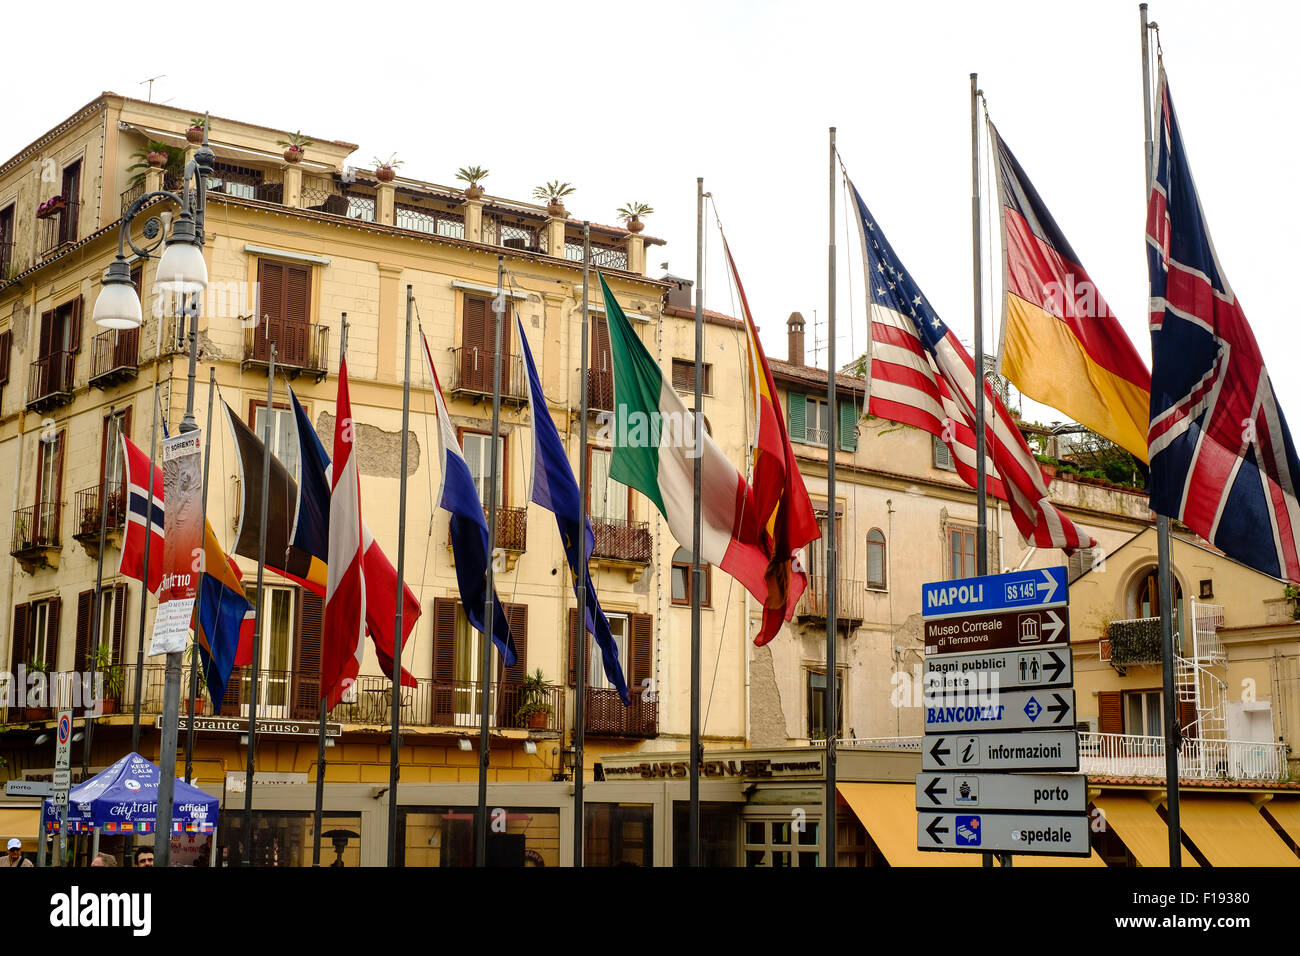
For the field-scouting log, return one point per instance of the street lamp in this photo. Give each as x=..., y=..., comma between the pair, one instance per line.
x=180, y=270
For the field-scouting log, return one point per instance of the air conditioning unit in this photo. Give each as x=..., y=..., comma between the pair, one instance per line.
x=516, y=242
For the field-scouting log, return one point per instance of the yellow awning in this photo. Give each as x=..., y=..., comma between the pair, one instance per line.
x=1287, y=815
x=1229, y=831
x=21, y=822
x=1136, y=822
x=887, y=811
x=1092, y=859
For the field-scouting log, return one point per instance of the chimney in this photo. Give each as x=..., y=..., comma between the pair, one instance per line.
x=680, y=294
x=794, y=351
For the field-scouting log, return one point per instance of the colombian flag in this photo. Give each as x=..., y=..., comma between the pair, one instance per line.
x=1062, y=345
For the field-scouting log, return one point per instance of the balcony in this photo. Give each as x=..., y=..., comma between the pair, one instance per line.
x=512, y=533
x=1199, y=758
x=600, y=390
x=301, y=347
x=605, y=715
x=35, y=542
x=850, y=602
x=131, y=195
x=58, y=229
x=472, y=373
x=49, y=382
x=86, y=509
x=115, y=357
x=602, y=256
x=1135, y=642
x=623, y=545
x=433, y=222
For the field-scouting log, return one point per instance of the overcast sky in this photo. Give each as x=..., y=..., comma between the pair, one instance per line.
x=633, y=102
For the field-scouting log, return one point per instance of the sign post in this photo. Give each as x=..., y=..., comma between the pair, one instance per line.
x=62, y=778
x=1000, y=713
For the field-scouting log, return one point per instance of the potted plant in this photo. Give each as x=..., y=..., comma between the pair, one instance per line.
x=472, y=175
x=156, y=155
x=632, y=214
x=23, y=532
x=294, y=147
x=553, y=194
x=51, y=207
x=534, y=709
x=200, y=687
x=37, y=666
x=386, y=169
x=102, y=663
x=194, y=134
x=90, y=519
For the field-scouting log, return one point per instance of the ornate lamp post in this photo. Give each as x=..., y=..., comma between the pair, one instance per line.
x=180, y=270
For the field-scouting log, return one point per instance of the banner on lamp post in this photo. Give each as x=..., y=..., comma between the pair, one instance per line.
x=182, y=541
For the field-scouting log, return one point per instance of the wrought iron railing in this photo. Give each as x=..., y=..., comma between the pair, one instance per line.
x=472, y=371
x=1199, y=758
x=60, y=228
x=606, y=716
x=850, y=600
x=512, y=528
x=115, y=355
x=621, y=540
x=435, y=222
x=36, y=527
x=86, y=505
x=50, y=379
x=452, y=703
x=130, y=195
x=512, y=235
x=299, y=345
x=602, y=256
x=246, y=183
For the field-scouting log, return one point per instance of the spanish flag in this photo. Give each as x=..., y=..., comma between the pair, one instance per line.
x=1061, y=344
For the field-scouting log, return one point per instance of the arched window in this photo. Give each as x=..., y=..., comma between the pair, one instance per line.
x=1146, y=598
x=876, y=559
x=681, y=579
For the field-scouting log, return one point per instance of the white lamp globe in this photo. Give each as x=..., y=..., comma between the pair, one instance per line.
x=117, y=306
x=182, y=268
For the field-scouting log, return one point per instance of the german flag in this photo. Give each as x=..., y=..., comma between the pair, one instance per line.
x=1061, y=344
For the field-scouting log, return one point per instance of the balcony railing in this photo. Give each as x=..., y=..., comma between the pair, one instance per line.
x=606, y=716
x=600, y=389
x=49, y=381
x=472, y=371
x=435, y=222
x=1199, y=758
x=35, y=528
x=621, y=540
x=512, y=529
x=850, y=601
x=262, y=185
x=60, y=228
x=86, y=505
x=131, y=195
x=300, y=347
x=115, y=357
x=602, y=256
x=1132, y=642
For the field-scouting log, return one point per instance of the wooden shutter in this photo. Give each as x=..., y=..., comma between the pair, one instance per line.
x=444, y=660
x=307, y=654
x=52, y=633
x=640, y=651
x=1110, y=712
x=45, y=342
x=74, y=327
x=797, y=416
x=18, y=645
x=297, y=294
x=1187, y=717
x=270, y=298
x=6, y=345
x=517, y=615
x=120, y=593
x=848, y=426
x=475, y=352
x=85, y=610
x=600, y=358
x=573, y=647
x=58, y=486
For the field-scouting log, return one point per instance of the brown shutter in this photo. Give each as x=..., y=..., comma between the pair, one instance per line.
x=476, y=352
x=52, y=634
x=573, y=647
x=120, y=593
x=307, y=653
x=1110, y=712
x=74, y=326
x=444, y=660
x=85, y=609
x=6, y=345
x=600, y=359
x=297, y=315
x=517, y=616
x=18, y=646
x=270, y=297
x=45, y=344
x=640, y=652
x=1187, y=717
x=58, y=487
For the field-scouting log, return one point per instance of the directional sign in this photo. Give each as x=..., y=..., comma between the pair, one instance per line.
x=1021, y=834
x=28, y=788
x=1046, y=667
x=1040, y=792
x=995, y=592
x=999, y=710
x=1013, y=751
x=63, y=748
x=59, y=798
x=997, y=632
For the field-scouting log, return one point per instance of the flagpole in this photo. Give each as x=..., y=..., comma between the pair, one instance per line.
x=697, y=575
x=584, y=480
x=1164, y=543
x=97, y=600
x=198, y=597
x=832, y=414
x=395, y=735
x=320, y=731
x=257, y=613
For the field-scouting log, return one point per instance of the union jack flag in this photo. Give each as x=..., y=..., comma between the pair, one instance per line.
x=1222, y=458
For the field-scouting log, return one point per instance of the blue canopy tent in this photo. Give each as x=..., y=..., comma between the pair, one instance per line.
x=124, y=800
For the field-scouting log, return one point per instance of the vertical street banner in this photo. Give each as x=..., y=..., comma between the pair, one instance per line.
x=182, y=541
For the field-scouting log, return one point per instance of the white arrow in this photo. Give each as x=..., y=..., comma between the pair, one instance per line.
x=1051, y=586
x=1054, y=626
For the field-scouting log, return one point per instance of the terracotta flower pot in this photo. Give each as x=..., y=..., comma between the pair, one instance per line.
x=194, y=135
x=473, y=191
x=557, y=210
x=635, y=225
x=293, y=155
x=109, y=706
x=157, y=160
x=537, y=720
x=385, y=174
x=200, y=706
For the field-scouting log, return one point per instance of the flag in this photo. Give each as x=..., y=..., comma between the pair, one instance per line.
x=920, y=375
x=345, y=593
x=144, y=515
x=1222, y=458
x=784, y=512
x=469, y=530
x=556, y=491
x=1061, y=344
x=655, y=448
x=225, y=627
x=380, y=576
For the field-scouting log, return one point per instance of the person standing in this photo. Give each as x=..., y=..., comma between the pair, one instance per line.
x=14, y=855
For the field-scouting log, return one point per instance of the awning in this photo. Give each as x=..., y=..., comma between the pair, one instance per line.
x=1136, y=822
x=1287, y=815
x=1092, y=859
x=1229, y=831
x=21, y=822
x=887, y=811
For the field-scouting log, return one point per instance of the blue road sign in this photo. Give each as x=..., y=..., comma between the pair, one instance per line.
x=1039, y=587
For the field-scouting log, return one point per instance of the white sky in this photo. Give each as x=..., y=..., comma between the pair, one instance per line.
x=632, y=102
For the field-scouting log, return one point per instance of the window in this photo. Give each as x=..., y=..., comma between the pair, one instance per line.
x=778, y=843
x=41, y=641
x=284, y=434
x=1144, y=713
x=49, y=485
x=277, y=620
x=241, y=181
x=681, y=583
x=817, y=549
x=469, y=660
x=608, y=500
x=6, y=347
x=818, y=420
x=596, y=678
x=112, y=620
x=684, y=376
x=719, y=833
x=444, y=836
x=110, y=453
x=961, y=553
x=286, y=838
x=6, y=240
x=72, y=195
x=457, y=653
x=817, y=705
x=876, y=559
x=942, y=455
x=284, y=297
x=478, y=455
x=618, y=834
x=478, y=340
x=1146, y=599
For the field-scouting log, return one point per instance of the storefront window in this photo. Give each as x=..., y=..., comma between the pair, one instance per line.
x=618, y=834
x=286, y=837
x=719, y=834
x=444, y=836
x=782, y=843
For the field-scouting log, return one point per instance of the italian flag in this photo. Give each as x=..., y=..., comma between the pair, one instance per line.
x=654, y=452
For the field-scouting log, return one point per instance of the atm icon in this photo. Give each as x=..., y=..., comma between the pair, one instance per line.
x=1028, y=629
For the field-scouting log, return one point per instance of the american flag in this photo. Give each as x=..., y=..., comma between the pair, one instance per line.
x=920, y=374
x=1222, y=458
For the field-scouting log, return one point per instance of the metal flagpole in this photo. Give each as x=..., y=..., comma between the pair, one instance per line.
x=97, y=600
x=580, y=648
x=697, y=573
x=1164, y=543
x=395, y=735
x=198, y=598
x=257, y=612
x=320, y=731
x=832, y=612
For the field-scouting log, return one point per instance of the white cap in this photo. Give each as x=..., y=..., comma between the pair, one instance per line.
x=15, y=843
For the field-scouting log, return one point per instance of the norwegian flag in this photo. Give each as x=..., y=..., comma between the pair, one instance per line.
x=144, y=515
x=1222, y=458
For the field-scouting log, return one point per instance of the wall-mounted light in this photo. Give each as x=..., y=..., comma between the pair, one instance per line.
x=464, y=744
x=530, y=747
